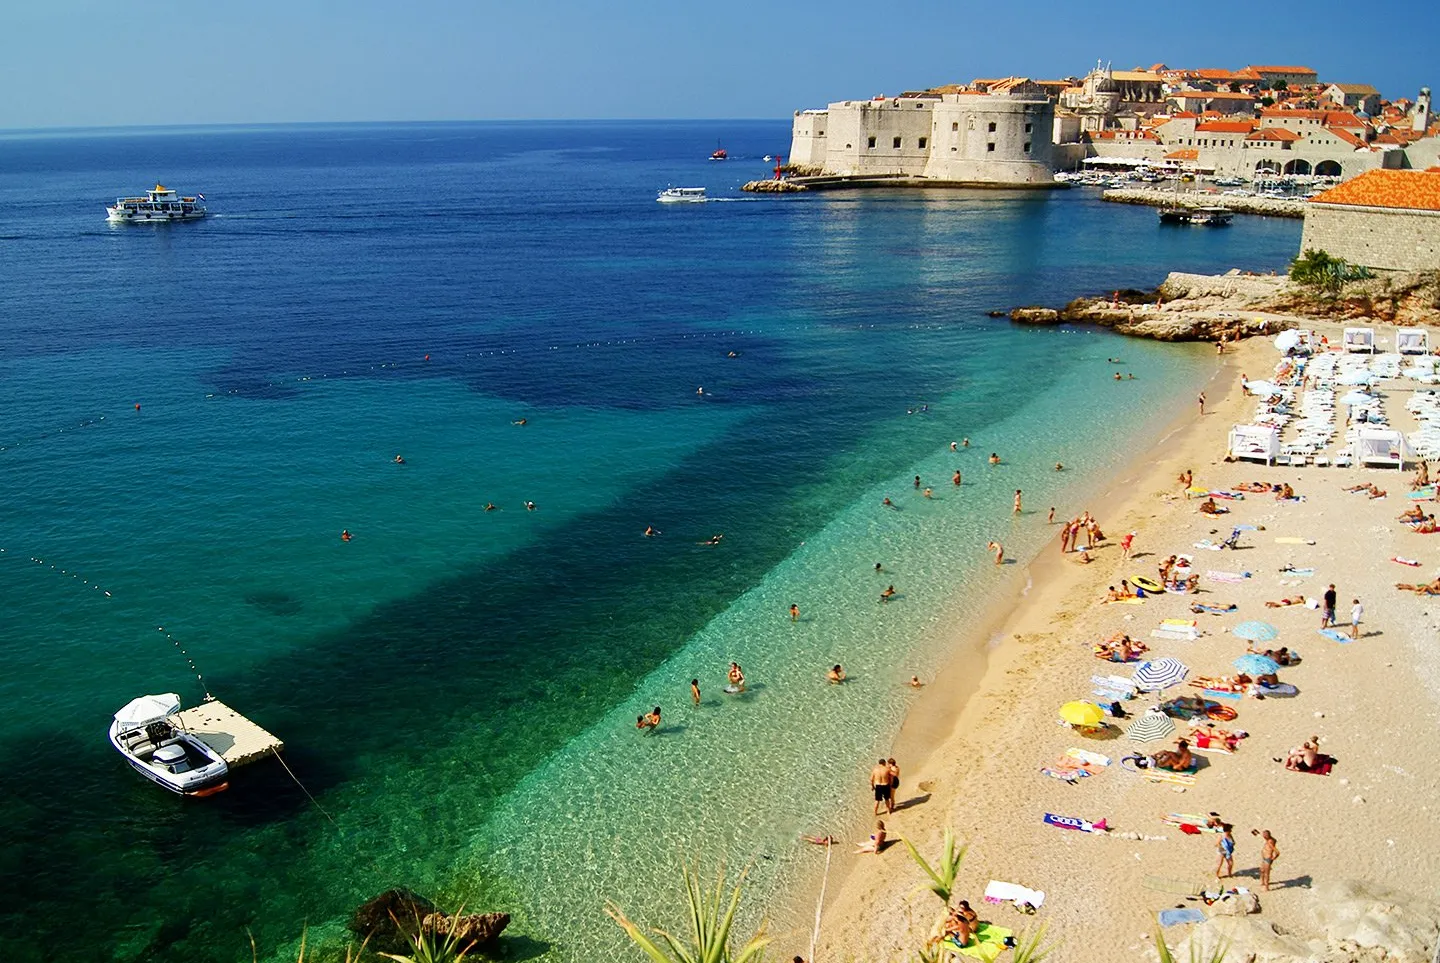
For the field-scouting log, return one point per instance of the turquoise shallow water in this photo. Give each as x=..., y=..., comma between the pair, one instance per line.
x=456, y=687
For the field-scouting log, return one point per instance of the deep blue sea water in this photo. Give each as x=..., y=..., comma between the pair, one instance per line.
x=455, y=686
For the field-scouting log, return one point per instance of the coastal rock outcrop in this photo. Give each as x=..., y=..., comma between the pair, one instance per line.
x=773, y=186
x=389, y=922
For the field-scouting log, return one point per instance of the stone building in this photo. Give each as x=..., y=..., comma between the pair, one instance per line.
x=1001, y=137
x=1385, y=219
x=1362, y=97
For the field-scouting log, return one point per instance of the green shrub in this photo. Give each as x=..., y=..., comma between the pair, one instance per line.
x=1318, y=269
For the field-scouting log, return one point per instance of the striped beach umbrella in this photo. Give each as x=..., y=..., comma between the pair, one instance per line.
x=1255, y=631
x=1152, y=726
x=1160, y=674
x=1256, y=664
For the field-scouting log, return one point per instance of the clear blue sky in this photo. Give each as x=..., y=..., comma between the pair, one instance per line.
x=107, y=62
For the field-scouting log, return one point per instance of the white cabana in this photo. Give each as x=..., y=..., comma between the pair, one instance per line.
x=1360, y=340
x=1380, y=446
x=1255, y=442
x=1412, y=341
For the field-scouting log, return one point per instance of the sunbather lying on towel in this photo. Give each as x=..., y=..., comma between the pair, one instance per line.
x=1429, y=588
x=1209, y=507
x=1255, y=486
x=1289, y=600
x=1369, y=488
x=1212, y=609
x=1221, y=683
x=1281, y=656
x=1427, y=527
x=1306, y=757
x=1209, y=737
x=1194, y=707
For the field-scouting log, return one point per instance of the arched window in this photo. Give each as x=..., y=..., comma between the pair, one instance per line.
x=1327, y=168
x=1297, y=166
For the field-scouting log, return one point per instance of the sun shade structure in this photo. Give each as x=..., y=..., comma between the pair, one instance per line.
x=1082, y=713
x=1153, y=726
x=149, y=708
x=1255, y=631
x=1160, y=674
x=1253, y=664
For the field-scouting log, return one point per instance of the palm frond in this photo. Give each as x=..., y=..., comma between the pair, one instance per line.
x=942, y=874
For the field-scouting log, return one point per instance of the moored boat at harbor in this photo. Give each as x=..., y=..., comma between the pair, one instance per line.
x=147, y=734
x=159, y=205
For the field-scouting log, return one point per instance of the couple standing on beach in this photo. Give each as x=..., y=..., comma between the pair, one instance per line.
x=884, y=780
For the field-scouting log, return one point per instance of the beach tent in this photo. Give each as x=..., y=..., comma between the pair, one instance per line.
x=1380, y=446
x=1256, y=442
x=1360, y=340
x=1412, y=341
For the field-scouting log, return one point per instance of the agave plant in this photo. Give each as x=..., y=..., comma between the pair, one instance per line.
x=433, y=946
x=1216, y=954
x=710, y=923
x=942, y=874
x=1028, y=948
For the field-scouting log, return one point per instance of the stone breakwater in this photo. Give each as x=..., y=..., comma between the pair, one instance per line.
x=773, y=187
x=1267, y=206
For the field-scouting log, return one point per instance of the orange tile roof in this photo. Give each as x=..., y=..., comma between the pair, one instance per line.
x=1349, y=137
x=1189, y=153
x=1274, y=133
x=1226, y=126
x=1400, y=190
x=1328, y=118
x=1279, y=70
x=1364, y=89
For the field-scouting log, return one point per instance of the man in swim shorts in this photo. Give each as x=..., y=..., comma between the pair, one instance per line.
x=880, y=785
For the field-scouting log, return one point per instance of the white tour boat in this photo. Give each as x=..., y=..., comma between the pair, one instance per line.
x=164, y=753
x=158, y=205
x=674, y=195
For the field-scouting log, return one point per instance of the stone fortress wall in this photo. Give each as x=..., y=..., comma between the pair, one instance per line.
x=1385, y=238
x=952, y=138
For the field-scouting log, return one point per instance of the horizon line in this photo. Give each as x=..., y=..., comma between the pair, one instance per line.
x=90, y=128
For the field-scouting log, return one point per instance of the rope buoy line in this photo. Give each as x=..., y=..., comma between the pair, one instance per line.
x=193, y=668
x=57, y=430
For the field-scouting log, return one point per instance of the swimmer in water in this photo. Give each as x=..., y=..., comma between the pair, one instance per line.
x=1117, y=376
x=1059, y=467
x=927, y=493
x=794, y=612
x=887, y=502
x=520, y=422
x=956, y=478
x=736, y=677
x=399, y=460
x=965, y=443
x=888, y=594
x=650, y=531
x=700, y=391
x=914, y=682
x=491, y=506
x=836, y=675
x=917, y=482
x=994, y=458
x=695, y=690
x=713, y=539
x=953, y=446
x=345, y=535
x=731, y=354
x=877, y=566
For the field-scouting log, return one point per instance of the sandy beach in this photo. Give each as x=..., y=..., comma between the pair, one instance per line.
x=1358, y=847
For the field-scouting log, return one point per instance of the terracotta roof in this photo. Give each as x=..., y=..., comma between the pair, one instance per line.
x=1226, y=126
x=1401, y=190
x=1259, y=69
x=1210, y=74
x=1183, y=114
x=1327, y=118
x=1136, y=75
x=1363, y=89
x=1432, y=170
x=1189, y=153
x=1274, y=134
x=1349, y=137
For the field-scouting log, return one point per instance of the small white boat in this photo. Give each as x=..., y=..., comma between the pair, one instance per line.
x=676, y=195
x=157, y=748
x=160, y=205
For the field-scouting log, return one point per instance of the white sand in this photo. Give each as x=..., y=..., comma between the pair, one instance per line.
x=1372, y=702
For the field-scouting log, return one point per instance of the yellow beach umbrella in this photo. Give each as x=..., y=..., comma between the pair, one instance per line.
x=1082, y=713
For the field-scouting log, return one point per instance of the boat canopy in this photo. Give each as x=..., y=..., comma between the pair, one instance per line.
x=146, y=709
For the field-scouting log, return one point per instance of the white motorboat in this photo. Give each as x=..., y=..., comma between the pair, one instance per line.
x=160, y=205
x=680, y=195
x=160, y=750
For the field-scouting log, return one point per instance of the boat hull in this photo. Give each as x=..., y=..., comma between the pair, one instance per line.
x=129, y=217
x=205, y=780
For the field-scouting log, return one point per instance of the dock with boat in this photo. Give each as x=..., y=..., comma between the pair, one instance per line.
x=237, y=739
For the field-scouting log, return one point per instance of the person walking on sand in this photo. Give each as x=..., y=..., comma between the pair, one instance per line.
x=794, y=612
x=999, y=551
x=894, y=769
x=1126, y=541
x=1201, y=400
x=1187, y=477
x=1269, y=852
x=880, y=785
x=695, y=690
x=1065, y=539
x=1051, y=519
x=1327, y=610
x=1356, y=610
x=1017, y=501
x=1226, y=848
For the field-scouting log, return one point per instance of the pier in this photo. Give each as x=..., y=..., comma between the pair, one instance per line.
x=1267, y=206
x=234, y=737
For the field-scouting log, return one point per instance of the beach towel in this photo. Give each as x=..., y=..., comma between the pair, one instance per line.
x=1421, y=494
x=1288, y=540
x=1221, y=694
x=1413, y=563
x=1088, y=757
x=1174, y=917
x=1322, y=768
x=1165, y=775
x=1247, y=528
x=1191, y=623
x=1282, y=691
x=1230, y=496
x=1114, y=681
x=987, y=943
x=1213, y=609
x=1301, y=572
x=1335, y=635
x=1231, y=577
x=1075, y=822
x=1176, y=887
x=1205, y=543
x=1191, y=823
x=997, y=891
x=1071, y=775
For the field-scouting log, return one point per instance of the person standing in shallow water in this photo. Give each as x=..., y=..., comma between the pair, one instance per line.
x=794, y=612
x=695, y=690
x=1017, y=501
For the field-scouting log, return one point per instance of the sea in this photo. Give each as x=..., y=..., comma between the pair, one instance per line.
x=194, y=413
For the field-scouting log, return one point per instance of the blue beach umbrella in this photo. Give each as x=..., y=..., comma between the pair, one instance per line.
x=1160, y=674
x=1253, y=664
x=1255, y=631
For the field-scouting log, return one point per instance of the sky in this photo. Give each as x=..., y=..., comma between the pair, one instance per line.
x=82, y=63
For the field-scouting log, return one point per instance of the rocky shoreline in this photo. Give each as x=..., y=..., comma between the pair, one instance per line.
x=1198, y=307
x=772, y=186
x=1265, y=206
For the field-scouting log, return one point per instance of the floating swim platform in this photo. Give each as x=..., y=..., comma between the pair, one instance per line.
x=234, y=737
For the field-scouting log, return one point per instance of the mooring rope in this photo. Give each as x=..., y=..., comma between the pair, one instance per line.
x=276, y=753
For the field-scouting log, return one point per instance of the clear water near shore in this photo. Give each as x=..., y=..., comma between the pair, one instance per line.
x=458, y=687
